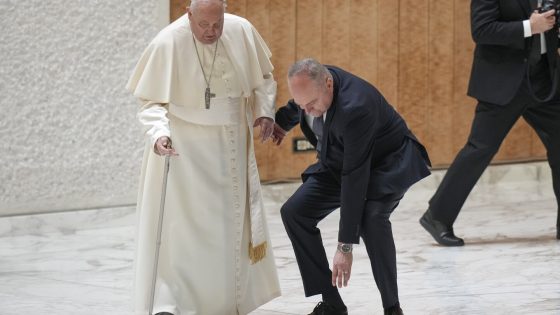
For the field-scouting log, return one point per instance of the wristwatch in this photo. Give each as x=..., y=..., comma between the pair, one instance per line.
x=344, y=248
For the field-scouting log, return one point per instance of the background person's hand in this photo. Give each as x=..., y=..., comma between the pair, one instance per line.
x=542, y=22
x=278, y=134
x=163, y=147
x=267, y=127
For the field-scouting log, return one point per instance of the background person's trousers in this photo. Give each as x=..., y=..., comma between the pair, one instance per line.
x=490, y=126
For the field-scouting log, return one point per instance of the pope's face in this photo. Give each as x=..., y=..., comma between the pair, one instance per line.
x=312, y=97
x=207, y=21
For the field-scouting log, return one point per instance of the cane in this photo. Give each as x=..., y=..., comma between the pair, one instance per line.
x=158, y=239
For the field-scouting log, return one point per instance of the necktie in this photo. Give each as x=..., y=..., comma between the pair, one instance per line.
x=318, y=130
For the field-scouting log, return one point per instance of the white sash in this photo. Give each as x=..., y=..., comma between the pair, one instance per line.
x=222, y=111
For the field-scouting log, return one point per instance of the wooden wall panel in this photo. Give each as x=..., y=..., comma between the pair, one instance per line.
x=336, y=32
x=438, y=140
x=177, y=8
x=517, y=145
x=537, y=148
x=309, y=42
x=282, y=42
x=413, y=64
x=463, y=107
x=363, y=39
x=237, y=7
x=309, y=29
x=388, y=49
x=258, y=12
x=418, y=53
x=281, y=161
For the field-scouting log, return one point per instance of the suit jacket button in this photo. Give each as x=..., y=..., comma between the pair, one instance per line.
x=525, y=60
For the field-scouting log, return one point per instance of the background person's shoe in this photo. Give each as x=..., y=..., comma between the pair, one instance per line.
x=441, y=233
x=323, y=308
x=395, y=310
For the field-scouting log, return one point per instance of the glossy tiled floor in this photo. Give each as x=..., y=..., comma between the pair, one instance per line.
x=81, y=262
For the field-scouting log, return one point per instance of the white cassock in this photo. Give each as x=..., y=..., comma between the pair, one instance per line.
x=215, y=256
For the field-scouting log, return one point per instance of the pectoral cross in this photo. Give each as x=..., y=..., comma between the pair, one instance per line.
x=207, y=96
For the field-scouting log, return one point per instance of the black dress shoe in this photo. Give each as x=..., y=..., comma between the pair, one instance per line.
x=439, y=231
x=164, y=313
x=324, y=308
x=395, y=310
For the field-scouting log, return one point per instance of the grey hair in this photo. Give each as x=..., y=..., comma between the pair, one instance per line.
x=311, y=68
x=195, y=3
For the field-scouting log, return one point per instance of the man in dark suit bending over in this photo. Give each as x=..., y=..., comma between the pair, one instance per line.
x=515, y=73
x=367, y=159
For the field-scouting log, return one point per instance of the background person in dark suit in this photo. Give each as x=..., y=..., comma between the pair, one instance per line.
x=367, y=159
x=516, y=56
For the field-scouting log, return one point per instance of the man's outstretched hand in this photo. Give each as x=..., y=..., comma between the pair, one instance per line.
x=342, y=268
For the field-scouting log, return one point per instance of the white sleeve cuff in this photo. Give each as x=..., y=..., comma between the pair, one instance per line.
x=265, y=97
x=158, y=134
x=527, y=28
x=153, y=117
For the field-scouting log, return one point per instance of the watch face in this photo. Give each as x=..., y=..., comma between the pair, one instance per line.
x=346, y=248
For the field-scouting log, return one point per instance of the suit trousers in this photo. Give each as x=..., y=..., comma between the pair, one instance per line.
x=316, y=198
x=490, y=126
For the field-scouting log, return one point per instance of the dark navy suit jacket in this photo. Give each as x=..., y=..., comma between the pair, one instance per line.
x=502, y=52
x=366, y=146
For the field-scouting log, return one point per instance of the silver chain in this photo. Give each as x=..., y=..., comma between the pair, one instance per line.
x=200, y=62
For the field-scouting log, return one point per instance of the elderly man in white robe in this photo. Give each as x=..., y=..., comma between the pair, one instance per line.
x=201, y=81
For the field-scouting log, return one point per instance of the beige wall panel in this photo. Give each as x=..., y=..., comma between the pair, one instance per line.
x=309, y=26
x=257, y=12
x=439, y=118
x=336, y=32
x=463, y=106
x=309, y=43
x=537, y=148
x=363, y=39
x=282, y=42
x=413, y=64
x=237, y=7
x=177, y=8
x=517, y=145
x=387, y=24
x=281, y=162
